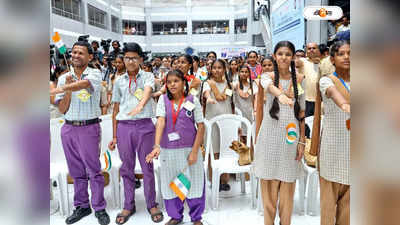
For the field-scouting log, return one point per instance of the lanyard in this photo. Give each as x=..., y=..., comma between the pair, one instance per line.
x=189, y=77
x=176, y=113
x=130, y=81
x=254, y=69
x=341, y=80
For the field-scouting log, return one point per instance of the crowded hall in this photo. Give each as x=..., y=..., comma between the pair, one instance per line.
x=199, y=112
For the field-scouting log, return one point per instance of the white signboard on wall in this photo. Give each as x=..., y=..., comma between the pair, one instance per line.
x=287, y=22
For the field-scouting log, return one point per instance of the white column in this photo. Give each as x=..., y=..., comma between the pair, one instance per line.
x=149, y=27
x=109, y=13
x=250, y=22
x=232, y=26
x=84, y=15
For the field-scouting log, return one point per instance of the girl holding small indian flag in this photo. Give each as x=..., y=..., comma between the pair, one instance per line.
x=178, y=142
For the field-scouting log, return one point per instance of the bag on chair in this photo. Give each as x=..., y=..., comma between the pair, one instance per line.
x=243, y=151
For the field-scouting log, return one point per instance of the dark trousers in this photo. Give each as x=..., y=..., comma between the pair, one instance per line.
x=309, y=112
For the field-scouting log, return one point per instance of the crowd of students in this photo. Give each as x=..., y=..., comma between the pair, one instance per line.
x=276, y=92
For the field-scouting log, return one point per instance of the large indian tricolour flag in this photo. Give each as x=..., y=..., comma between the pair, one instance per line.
x=181, y=186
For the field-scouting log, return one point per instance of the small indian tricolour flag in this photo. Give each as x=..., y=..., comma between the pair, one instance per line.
x=180, y=185
x=59, y=43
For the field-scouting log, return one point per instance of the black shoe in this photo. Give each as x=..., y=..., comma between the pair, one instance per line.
x=78, y=214
x=102, y=217
x=137, y=184
x=224, y=187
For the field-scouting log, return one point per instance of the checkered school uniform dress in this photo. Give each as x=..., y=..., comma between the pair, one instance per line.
x=274, y=159
x=335, y=139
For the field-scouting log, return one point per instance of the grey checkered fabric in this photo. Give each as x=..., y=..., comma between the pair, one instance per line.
x=335, y=139
x=274, y=158
x=172, y=162
x=127, y=101
x=80, y=110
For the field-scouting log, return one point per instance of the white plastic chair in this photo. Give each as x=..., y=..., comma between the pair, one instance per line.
x=228, y=125
x=106, y=137
x=239, y=113
x=310, y=183
x=312, y=191
x=302, y=182
x=206, y=162
x=58, y=165
x=255, y=194
x=309, y=122
x=156, y=165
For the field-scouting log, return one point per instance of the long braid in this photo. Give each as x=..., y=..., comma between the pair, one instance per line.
x=275, y=104
x=202, y=99
x=240, y=84
x=296, y=93
x=186, y=92
x=252, y=91
x=230, y=87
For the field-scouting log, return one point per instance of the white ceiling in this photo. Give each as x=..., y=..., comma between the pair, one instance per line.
x=182, y=3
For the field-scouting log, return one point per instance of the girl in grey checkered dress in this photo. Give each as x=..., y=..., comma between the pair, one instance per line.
x=245, y=89
x=280, y=142
x=244, y=98
x=334, y=156
x=216, y=102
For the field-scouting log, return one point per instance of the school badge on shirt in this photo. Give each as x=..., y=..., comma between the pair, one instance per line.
x=139, y=94
x=249, y=91
x=228, y=92
x=84, y=95
x=193, y=92
x=300, y=90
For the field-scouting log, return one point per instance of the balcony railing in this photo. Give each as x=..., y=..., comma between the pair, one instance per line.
x=66, y=14
x=96, y=24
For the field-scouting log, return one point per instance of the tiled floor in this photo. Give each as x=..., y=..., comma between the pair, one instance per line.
x=235, y=209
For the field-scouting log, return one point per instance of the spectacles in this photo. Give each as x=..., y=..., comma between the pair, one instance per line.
x=135, y=59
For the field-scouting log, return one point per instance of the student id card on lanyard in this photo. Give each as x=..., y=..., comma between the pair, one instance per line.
x=174, y=136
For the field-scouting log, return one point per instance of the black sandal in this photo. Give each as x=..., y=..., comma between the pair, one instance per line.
x=173, y=222
x=126, y=218
x=154, y=215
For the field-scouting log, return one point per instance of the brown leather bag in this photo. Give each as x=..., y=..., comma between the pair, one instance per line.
x=243, y=151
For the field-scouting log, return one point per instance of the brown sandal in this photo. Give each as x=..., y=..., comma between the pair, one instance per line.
x=173, y=222
x=126, y=218
x=198, y=223
x=154, y=215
